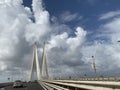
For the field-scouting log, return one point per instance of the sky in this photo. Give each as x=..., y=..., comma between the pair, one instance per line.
x=74, y=31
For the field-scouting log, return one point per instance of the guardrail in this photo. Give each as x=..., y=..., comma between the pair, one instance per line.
x=50, y=86
x=84, y=85
x=99, y=79
x=93, y=79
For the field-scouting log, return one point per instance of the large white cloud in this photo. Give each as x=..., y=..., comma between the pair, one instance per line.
x=20, y=27
x=14, y=17
x=64, y=52
x=38, y=30
x=106, y=52
x=112, y=28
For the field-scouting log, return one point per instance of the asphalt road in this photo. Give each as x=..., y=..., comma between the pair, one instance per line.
x=28, y=86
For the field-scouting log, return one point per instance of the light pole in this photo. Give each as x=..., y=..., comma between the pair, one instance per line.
x=94, y=65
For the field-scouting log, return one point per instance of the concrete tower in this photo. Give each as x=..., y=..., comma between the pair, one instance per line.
x=35, y=59
x=44, y=64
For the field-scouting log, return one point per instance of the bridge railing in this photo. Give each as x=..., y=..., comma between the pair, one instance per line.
x=87, y=85
x=99, y=83
x=95, y=79
x=100, y=79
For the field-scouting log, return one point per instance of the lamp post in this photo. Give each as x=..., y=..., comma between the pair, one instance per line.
x=94, y=65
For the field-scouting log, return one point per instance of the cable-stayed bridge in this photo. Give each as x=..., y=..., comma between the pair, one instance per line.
x=45, y=83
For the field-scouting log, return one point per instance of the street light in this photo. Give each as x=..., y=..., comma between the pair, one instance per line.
x=94, y=66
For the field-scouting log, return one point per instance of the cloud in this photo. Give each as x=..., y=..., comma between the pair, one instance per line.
x=109, y=15
x=18, y=32
x=74, y=53
x=64, y=51
x=20, y=28
x=9, y=2
x=112, y=29
x=106, y=49
x=13, y=22
x=106, y=58
x=38, y=30
x=68, y=16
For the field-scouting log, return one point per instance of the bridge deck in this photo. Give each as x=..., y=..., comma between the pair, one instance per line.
x=29, y=86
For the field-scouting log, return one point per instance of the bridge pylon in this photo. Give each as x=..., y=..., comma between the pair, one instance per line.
x=35, y=59
x=44, y=64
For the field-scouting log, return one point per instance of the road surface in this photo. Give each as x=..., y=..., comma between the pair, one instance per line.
x=28, y=86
